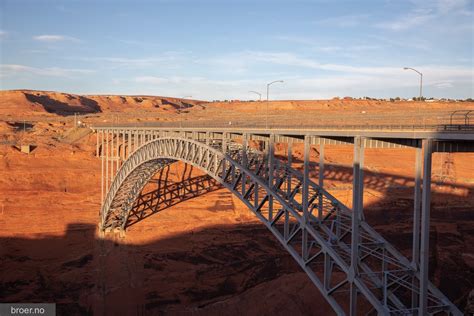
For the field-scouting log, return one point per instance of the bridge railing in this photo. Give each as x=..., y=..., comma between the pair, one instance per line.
x=238, y=124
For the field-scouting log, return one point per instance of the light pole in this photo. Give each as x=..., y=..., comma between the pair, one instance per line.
x=180, y=120
x=259, y=94
x=268, y=88
x=421, y=79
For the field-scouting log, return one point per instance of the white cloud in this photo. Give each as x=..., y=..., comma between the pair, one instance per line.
x=3, y=34
x=54, y=38
x=459, y=6
x=165, y=59
x=415, y=18
x=189, y=80
x=354, y=81
x=426, y=10
x=343, y=20
x=252, y=58
x=443, y=84
x=15, y=69
x=151, y=80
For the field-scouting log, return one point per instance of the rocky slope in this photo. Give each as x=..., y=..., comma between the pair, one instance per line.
x=207, y=255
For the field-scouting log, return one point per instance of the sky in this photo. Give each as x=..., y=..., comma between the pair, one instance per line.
x=212, y=50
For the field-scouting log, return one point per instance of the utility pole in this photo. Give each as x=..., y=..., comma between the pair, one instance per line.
x=421, y=80
x=268, y=89
x=258, y=93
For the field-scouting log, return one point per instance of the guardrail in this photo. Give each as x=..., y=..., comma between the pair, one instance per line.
x=213, y=124
x=465, y=116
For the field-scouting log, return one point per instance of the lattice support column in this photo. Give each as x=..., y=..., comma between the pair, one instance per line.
x=425, y=225
x=321, y=180
x=290, y=162
x=271, y=170
x=416, y=222
x=357, y=191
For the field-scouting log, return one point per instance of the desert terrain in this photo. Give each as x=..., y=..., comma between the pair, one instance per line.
x=207, y=255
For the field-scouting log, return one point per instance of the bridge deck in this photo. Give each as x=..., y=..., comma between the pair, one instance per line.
x=389, y=132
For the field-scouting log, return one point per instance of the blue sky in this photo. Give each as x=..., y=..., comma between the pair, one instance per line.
x=222, y=49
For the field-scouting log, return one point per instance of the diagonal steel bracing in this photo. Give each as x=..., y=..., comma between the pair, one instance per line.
x=354, y=268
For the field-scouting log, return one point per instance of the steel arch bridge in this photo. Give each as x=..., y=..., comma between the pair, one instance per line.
x=354, y=267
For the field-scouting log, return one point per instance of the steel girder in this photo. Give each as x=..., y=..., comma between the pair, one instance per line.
x=278, y=195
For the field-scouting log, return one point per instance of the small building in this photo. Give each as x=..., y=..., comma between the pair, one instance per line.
x=26, y=148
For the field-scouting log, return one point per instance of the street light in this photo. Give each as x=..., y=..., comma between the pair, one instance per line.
x=259, y=94
x=180, y=104
x=421, y=79
x=268, y=88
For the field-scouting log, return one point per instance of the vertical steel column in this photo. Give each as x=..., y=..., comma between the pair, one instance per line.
x=107, y=162
x=290, y=162
x=224, y=151
x=123, y=145
x=112, y=172
x=117, y=158
x=425, y=225
x=224, y=143
x=244, y=159
x=416, y=221
x=97, y=145
x=245, y=144
x=135, y=141
x=208, y=143
x=102, y=168
x=361, y=177
x=307, y=148
x=129, y=140
x=271, y=167
x=356, y=197
x=321, y=178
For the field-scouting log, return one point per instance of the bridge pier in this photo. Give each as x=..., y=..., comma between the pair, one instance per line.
x=357, y=192
x=416, y=221
x=116, y=231
x=425, y=225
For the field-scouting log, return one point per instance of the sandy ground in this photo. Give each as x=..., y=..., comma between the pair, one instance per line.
x=204, y=256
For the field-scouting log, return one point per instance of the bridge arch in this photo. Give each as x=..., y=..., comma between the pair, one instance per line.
x=320, y=245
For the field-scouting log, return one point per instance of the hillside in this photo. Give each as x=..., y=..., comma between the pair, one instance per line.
x=28, y=102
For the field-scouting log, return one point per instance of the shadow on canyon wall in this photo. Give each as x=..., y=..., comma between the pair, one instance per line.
x=84, y=274
x=228, y=269
x=62, y=108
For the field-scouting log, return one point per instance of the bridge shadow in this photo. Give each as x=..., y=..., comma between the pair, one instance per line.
x=391, y=215
x=200, y=272
x=395, y=192
x=162, y=192
x=215, y=270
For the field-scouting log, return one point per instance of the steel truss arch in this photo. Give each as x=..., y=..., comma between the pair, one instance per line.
x=278, y=197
